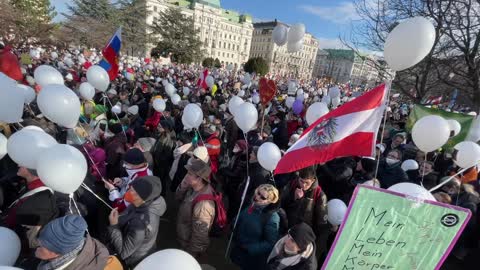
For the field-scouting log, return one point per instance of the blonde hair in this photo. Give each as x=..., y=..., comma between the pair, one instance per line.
x=271, y=191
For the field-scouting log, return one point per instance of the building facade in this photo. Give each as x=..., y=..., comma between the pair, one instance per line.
x=345, y=66
x=225, y=34
x=282, y=63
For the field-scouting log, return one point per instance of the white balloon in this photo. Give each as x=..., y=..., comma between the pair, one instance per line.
x=98, y=77
x=269, y=155
x=336, y=210
x=247, y=78
x=170, y=89
x=292, y=87
x=25, y=146
x=300, y=97
x=334, y=92
x=241, y=93
x=246, y=116
x=192, y=116
x=209, y=81
x=467, y=154
x=296, y=33
x=186, y=91
x=409, y=165
x=12, y=100
x=159, y=104
x=293, y=47
x=315, y=111
x=454, y=126
x=255, y=99
x=45, y=75
x=87, y=91
x=54, y=55
x=169, y=259
x=234, y=103
x=280, y=34
x=230, y=67
x=10, y=247
x=335, y=102
x=117, y=108
x=399, y=50
x=59, y=104
x=412, y=190
x=9, y=268
x=289, y=102
x=176, y=99
x=326, y=99
x=62, y=168
x=3, y=145
x=430, y=133
x=28, y=92
x=34, y=128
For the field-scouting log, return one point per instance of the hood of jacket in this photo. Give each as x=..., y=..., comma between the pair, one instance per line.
x=94, y=255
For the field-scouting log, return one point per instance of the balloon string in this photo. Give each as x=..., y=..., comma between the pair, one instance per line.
x=244, y=194
x=118, y=118
x=200, y=136
x=90, y=158
x=452, y=177
x=94, y=194
x=383, y=127
x=423, y=174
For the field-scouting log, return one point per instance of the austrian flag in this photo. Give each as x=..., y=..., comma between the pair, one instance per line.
x=350, y=130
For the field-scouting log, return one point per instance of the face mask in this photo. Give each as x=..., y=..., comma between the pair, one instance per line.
x=288, y=251
x=391, y=161
x=127, y=167
x=236, y=150
x=276, y=121
x=128, y=197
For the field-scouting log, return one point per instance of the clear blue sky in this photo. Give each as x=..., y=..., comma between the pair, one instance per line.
x=325, y=19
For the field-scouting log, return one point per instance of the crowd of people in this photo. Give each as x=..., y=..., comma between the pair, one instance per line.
x=139, y=157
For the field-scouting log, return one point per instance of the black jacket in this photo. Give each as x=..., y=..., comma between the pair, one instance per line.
x=389, y=175
x=135, y=235
x=162, y=153
x=335, y=178
x=280, y=134
x=307, y=209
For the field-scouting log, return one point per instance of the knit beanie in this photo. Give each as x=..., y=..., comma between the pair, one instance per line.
x=147, y=187
x=302, y=234
x=63, y=235
x=134, y=156
x=368, y=164
x=115, y=128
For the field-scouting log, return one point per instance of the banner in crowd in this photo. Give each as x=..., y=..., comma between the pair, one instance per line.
x=399, y=233
x=464, y=120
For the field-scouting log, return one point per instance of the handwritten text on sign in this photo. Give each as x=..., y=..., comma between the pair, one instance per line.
x=386, y=230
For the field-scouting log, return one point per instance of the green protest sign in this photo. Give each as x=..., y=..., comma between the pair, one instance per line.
x=387, y=230
x=464, y=120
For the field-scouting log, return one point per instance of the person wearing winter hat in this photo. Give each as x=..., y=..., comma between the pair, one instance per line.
x=195, y=220
x=295, y=251
x=136, y=166
x=65, y=244
x=133, y=235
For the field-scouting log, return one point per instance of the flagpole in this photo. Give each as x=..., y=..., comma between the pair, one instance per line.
x=388, y=85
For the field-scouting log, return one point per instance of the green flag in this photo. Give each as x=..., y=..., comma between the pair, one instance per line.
x=388, y=230
x=464, y=120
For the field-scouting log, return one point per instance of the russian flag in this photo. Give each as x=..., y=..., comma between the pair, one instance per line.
x=111, y=55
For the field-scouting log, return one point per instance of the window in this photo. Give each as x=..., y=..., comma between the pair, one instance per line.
x=224, y=45
x=155, y=8
x=223, y=54
x=229, y=46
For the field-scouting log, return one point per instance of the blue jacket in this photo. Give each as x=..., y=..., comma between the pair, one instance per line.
x=255, y=236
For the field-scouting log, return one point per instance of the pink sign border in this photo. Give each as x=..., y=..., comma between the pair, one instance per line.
x=354, y=197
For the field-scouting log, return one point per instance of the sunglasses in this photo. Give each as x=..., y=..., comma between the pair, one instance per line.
x=261, y=196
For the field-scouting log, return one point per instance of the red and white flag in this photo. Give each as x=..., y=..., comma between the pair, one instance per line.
x=350, y=130
x=202, y=82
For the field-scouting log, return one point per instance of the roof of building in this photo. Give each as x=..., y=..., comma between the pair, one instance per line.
x=229, y=15
x=341, y=53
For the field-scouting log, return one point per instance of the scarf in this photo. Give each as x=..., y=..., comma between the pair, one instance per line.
x=177, y=153
x=63, y=261
x=281, y=261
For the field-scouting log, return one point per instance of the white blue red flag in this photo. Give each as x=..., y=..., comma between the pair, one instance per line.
x=111, y=55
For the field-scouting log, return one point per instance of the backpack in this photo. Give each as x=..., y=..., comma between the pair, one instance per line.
x=220, y=223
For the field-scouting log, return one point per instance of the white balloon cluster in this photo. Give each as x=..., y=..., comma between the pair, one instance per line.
x=292, y=36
